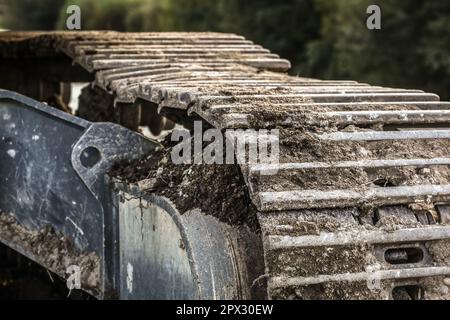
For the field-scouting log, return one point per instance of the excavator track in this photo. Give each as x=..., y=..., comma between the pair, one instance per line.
x=360, y=205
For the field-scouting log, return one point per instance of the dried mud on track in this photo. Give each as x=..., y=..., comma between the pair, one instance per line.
x=295, y=145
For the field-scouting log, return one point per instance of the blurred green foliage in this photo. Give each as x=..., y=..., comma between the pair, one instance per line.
x=31, y=14
x=412, y=49
x=323, y=38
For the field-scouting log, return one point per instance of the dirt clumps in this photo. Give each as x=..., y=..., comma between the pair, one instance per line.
x=295, y=144
x=440, y=251
x=216, y=189
x=308, y=147
x=332, y=291
x=52, y=250
x=318, y=179
x=326, y=179
x=309, y=262
x=308, y=222
x=435, y=288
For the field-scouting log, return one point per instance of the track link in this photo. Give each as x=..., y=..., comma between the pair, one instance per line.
x=358, y=208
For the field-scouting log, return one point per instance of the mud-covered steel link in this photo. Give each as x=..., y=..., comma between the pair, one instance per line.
x=347, y=150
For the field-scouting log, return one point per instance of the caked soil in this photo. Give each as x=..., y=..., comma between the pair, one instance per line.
x=297, y=146
x=53, y=250
x=216, y=189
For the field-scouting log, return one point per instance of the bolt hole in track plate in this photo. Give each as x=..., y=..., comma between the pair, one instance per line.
x=405, y=255
x=43, y=182
x=401, y=255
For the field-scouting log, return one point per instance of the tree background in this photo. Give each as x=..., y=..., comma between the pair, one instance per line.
x=326, y=39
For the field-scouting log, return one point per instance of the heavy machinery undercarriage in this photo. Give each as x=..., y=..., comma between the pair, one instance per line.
x=359, y=207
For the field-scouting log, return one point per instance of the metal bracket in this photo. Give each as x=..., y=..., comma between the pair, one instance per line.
x=53, y=173
x=102, y=146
